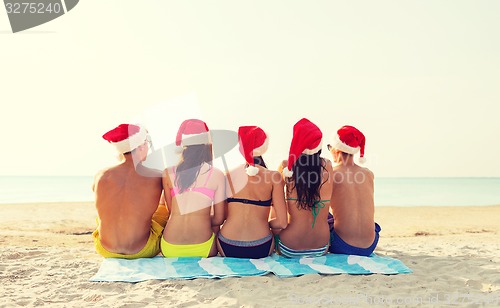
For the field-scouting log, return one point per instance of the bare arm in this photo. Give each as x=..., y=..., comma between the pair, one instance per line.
x=220, y=205
x=96, y=179
x=167, y=185
x=279, y=215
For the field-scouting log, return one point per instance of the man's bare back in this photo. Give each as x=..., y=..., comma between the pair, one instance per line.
x=125, y=202
x=352, y=204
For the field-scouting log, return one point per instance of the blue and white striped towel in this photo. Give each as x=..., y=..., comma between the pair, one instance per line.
x=219, y=267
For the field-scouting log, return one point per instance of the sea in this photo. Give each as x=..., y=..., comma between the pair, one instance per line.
x=388, y=191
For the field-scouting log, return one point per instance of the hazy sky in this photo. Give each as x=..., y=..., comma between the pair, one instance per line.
x=421, y=79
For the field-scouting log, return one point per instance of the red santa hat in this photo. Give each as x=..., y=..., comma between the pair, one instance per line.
x=126, y=137
x=306, y=140
x=253, y=142
x=192, y=132
x=349, y=139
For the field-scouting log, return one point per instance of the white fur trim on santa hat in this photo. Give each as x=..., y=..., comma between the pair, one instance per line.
x=362, y=160
x=194, y=139
x=262, y=149
x=251, y=170
x=287, y=173
x=131, y=142
x=339, y=145
x=312, y=151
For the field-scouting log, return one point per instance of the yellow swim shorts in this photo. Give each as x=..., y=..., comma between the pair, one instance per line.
x=152, y=247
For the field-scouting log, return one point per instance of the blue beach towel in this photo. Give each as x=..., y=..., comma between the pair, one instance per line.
x=218, y=267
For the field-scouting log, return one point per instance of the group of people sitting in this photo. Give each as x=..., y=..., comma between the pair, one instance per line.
x=308, y=207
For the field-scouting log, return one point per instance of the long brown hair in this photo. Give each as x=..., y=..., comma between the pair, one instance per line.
x=188, y=169
x=307, y=176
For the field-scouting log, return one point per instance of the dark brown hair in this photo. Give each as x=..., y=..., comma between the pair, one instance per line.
x=307, y=175
x=188, y=168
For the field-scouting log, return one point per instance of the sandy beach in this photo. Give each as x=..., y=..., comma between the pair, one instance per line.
x=47, y=258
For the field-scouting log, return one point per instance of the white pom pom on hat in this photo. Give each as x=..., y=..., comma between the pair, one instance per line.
x=287, y=173
x=251, y=170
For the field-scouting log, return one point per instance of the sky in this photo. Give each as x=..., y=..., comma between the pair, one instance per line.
x=419, y=78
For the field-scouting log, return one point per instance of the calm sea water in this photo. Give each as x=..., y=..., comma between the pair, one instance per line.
x=388, y=191
x=25, y=189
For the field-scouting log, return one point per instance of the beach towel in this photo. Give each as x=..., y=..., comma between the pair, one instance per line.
x=220, y=267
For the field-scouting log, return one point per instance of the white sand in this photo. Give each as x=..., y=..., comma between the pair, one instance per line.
x=47, y=258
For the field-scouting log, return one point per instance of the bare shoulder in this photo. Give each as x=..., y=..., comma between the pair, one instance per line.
x=276, y=176
x=102, y=177
x=328, y=164
x=99, y=174
x=218, y=174
x=97, y=178
x=368, y=172
x=272, y=172
x=103, y=173
x=170, y=171
x=149, y=172
x=167, y=178
x=165, y=172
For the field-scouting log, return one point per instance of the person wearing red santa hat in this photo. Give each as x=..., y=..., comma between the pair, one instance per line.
x=308, y=190
x=254, y=191
x=195, y=195
x=127, y=198
x=354, y=230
